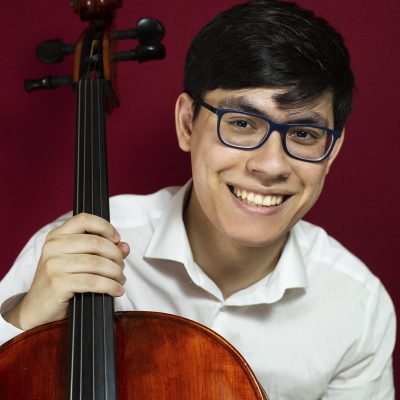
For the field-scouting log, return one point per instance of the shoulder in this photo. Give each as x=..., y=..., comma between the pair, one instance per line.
x=339, y=278
x=347, y=292
x=132, y=210
x=319, y=248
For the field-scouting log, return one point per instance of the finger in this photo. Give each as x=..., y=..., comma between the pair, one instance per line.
x=87, y=263
x=83, y=244
x=124, y=247
x=84, y=283
x=87, y=223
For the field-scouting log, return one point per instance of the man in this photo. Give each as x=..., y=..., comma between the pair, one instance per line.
x=268, y=89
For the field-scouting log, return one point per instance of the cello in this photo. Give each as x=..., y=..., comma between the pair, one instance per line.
x=96, y=353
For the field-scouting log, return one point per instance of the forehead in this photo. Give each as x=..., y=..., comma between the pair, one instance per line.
x=262, y=101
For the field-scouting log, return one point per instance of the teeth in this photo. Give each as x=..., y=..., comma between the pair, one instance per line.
x=267, y=201
x=258, y=199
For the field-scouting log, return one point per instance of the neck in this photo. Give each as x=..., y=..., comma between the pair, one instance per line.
x=231, y=265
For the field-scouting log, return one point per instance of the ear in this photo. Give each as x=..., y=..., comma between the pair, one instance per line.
x=336, y=150
x=184, y=121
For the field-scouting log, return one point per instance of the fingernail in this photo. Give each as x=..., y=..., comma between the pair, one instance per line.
x=127, y=249
x=117, y=236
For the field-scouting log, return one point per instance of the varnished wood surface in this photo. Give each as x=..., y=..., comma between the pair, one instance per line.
x=90, y=10
x=159, y=357
x=34, y=365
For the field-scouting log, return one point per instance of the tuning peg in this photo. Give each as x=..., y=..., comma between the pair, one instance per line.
x=53, y=51
x=141, y=53
x=48, y=82
x=148, y=31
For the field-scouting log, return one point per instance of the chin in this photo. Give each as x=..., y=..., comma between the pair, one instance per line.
x=255, y=240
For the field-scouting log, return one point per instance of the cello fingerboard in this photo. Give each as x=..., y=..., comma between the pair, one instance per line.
x=92, y=356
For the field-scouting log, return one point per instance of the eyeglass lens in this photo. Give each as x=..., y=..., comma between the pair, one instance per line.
x=248, y=131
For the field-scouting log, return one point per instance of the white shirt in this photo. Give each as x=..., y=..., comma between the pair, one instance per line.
x=320, y=326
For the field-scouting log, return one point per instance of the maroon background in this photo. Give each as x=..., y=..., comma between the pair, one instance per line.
x=359, y=204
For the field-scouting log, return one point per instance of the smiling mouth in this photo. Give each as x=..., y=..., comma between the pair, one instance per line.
x=257, y=199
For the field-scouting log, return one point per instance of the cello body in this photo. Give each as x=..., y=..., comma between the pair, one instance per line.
x=159, y=357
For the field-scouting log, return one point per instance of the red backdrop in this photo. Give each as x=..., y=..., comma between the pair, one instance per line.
x=358, y=206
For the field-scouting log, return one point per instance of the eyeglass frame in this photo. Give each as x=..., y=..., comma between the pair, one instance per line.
x=273, y=126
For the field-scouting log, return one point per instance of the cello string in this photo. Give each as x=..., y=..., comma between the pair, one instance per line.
x=84, y=206
x=100, y=127
x=100, y=152
x=92, y=212
x=91, y=144
x=77, y=211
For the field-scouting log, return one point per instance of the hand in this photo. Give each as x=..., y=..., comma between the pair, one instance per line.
x=84, y=254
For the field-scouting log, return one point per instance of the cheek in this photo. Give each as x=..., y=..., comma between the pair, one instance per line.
x=313, y=180
x=212, y=166
x=210, y=158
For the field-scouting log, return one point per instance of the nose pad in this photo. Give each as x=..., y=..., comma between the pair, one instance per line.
x=270, y=160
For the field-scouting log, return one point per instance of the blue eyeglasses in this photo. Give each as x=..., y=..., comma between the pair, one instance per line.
x=248, y=131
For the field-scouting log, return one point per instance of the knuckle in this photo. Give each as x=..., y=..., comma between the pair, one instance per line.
x=53, y=233
x=56, y=283
x=115, y=290
x=49, y=236
x=119, y=259
x=119, y=276
x=52, y=246
x=81, y=216
x=48, y=248
x=50, y=264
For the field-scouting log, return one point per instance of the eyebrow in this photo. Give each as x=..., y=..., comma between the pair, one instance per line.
x=310, y=117
x=241, y=103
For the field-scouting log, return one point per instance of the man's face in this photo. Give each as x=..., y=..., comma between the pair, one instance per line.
x=268, y=175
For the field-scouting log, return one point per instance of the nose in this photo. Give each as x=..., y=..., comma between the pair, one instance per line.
x=269, y=162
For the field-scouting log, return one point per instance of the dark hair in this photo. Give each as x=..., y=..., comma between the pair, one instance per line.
x=270, y=43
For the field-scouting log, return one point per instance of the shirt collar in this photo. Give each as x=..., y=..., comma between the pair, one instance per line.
x=170, y=242
x=289, y=273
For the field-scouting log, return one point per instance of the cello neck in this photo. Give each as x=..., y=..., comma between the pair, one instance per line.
x=91, y=180
x=92, y=356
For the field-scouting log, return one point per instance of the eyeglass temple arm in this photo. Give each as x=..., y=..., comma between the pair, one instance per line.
x=208, y=106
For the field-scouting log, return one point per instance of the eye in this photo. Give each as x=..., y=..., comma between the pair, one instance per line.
x=305, y=134
x=241, y=124
x=301, y=134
